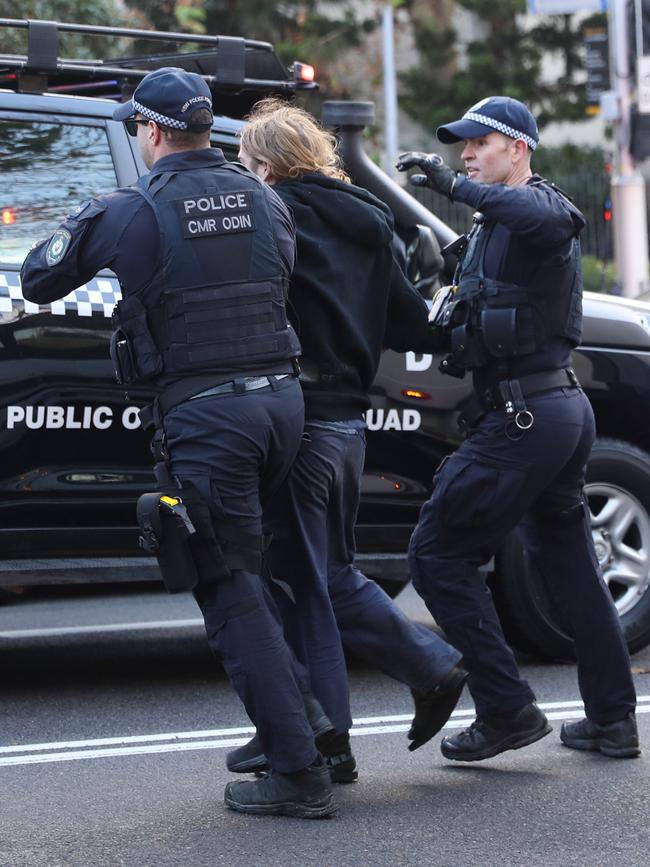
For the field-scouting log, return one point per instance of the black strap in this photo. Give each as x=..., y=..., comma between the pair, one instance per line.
x=234, y=533
x=231, y=60
x=511, y=393
x=545, y=380
x=184, y=389
x=42, y=46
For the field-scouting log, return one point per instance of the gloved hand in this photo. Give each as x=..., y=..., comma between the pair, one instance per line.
x=436, y=175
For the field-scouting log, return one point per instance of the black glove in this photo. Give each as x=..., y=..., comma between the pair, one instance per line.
x=436, y=175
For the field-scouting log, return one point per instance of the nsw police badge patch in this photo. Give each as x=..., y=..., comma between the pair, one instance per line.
x=58, y=246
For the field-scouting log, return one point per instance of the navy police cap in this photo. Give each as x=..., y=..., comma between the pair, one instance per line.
x=169, y=96
x=500, y=113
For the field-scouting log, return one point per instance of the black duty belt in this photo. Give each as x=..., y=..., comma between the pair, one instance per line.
x=210, y=383
x=248, y=383
x=510, y=394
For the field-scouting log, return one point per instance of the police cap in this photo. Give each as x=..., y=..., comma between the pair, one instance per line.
x=500, y=113
x=169, y=96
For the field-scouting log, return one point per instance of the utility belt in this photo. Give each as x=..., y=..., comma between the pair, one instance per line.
x=193, y=545
x=510, y=394
x=207, y=384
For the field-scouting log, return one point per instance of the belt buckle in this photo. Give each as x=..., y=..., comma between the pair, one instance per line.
x=252, y=383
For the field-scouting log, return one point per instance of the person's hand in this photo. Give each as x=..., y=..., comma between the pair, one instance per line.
x=437, y=175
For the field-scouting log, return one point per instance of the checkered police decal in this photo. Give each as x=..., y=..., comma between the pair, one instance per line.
x=97, y=297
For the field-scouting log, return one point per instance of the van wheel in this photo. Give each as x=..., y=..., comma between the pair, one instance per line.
x=618, y=492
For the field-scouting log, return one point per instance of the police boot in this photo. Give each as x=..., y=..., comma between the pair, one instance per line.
x=433, y=709
x=250, y=758
x=335, y=750
x=489, y=736
x=619, y=739
x=305, y=794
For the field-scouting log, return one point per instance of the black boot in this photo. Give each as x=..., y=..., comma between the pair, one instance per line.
x=433, y=709
x=489, y=736
x=619, y=739
x=335, y=750
x=305, y=794
x=318, y=719
x=248, y=759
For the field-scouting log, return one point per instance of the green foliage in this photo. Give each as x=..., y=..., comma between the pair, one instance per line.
x=298, y=29
x=506, y=60
x=598, y=276
x=106, y=12
x=569, y=159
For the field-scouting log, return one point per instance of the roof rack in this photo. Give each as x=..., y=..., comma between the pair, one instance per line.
x=227, y=63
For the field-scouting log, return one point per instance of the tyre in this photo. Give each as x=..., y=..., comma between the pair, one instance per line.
x=618, y=492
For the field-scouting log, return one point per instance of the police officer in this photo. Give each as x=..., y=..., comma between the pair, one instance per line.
x=203, y=251
x=511, y=319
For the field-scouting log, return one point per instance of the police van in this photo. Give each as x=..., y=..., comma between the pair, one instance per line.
x=74, y=458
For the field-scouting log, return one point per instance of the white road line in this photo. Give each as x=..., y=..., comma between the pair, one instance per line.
x=98, y=629
x=66, y=751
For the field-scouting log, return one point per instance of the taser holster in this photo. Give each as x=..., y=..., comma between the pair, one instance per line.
x=176, y=526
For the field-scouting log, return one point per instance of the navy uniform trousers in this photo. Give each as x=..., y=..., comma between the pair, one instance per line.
x=484, y=490
x=237, y=449
x=333, y=604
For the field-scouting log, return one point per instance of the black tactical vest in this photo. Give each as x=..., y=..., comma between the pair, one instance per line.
x=486, y=319
x=220, y=303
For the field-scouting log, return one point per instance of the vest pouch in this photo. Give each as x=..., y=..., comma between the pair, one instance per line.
x=122, y=358
x=499, y=330
x=133, y=345
x=467, y=347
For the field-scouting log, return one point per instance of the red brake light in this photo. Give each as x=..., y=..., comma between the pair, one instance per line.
x=303, y=72
x=8, y=216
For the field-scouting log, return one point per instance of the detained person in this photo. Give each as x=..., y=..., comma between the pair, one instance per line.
x=348, y=299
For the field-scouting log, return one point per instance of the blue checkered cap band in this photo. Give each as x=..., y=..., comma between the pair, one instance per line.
x=158, y=118
x=500, y=127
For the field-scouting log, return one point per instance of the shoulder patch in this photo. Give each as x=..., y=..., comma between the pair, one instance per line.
x=58, y=246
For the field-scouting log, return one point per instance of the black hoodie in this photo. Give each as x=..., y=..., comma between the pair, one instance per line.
x=348, y=297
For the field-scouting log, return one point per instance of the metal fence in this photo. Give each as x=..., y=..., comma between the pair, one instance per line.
x=588, y=190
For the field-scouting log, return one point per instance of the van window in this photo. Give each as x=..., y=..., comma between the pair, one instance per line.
x=46, y=171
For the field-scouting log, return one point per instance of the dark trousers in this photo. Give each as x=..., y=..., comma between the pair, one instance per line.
x=334, y=605
x=481, y=492
x=237, y=450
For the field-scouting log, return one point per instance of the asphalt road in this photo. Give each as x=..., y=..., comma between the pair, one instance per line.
x=115, y=722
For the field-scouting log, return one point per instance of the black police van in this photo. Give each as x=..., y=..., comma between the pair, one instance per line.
x=73, y=456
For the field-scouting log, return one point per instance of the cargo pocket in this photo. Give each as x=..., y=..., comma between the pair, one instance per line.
x=476, y=495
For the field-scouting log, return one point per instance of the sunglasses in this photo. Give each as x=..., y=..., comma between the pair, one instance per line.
x=132, y=126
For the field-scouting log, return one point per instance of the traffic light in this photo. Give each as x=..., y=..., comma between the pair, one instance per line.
x=639, y=135
x=607, y=210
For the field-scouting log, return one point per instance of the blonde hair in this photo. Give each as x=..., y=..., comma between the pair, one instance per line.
x=290, y=141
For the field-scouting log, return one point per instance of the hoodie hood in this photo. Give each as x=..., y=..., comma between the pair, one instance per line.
x=348, y=210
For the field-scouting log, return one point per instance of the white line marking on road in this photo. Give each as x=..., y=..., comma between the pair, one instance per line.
x=215, y=739
x=98, y=629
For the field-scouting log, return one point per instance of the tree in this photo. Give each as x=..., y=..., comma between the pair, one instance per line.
x=507, y=60
x=102, y=12
x=298, y=29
